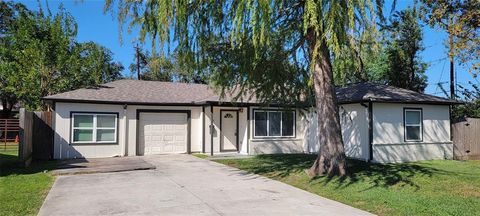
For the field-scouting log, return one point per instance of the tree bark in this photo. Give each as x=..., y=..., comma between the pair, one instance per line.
x=331, y=156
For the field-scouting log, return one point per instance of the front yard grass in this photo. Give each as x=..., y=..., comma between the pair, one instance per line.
x=22, y=190
x=440, y=187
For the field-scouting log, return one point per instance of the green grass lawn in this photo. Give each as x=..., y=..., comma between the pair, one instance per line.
x=419, y=188
x=22, y=190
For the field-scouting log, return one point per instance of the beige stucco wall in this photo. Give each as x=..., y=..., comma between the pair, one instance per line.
x=278, y=145
x=388, y=134
x=62, y=148
x=354, y=123
x=412, y=152
x=127, y=129
x=242, y=128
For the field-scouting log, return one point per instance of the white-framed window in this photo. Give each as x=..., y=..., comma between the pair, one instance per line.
x=273, y=123
x=413, y=118
x=94, y=127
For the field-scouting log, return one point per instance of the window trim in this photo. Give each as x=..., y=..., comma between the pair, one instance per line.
x=94, y=128
x=405, y=110
x=281, y=123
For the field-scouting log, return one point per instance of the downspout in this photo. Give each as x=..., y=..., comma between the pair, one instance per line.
x=248, y=130
x=125, y=129
x=211, y=129
x=54, y=117
x=451, y=120
x=203, y=129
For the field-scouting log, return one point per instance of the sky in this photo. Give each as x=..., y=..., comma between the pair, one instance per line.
x=94, y=25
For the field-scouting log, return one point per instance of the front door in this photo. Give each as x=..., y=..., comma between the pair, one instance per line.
x=229, y=130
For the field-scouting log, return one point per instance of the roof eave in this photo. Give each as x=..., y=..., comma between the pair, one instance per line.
x=403, y=101
x=65, y=100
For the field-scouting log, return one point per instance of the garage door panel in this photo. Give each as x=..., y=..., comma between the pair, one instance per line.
x=180, y=138
x=163, y=133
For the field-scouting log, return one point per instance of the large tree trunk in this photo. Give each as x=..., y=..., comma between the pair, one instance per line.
x=331, y=156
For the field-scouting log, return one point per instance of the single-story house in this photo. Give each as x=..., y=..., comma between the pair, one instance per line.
x=130, y=117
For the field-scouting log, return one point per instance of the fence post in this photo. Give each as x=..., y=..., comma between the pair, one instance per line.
x=21, y=144
x=25, y=145
x=5, y=133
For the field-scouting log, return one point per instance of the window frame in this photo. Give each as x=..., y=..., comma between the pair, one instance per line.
x=409, y=109
x=267, y=111
x=94, y=127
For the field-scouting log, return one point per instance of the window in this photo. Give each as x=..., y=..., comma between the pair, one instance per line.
x=413, y=124
x=274, y=123
x=94, y=128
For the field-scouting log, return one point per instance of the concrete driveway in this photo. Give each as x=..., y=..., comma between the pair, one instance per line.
x=184, y=185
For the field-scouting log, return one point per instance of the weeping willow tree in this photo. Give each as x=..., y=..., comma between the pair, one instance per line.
x=281, y=50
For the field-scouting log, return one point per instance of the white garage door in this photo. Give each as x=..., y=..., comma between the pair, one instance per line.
x=163, y=133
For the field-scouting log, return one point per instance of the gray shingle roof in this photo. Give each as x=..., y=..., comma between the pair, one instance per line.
x=142, y=92
x=154, y=92
x=134, y=91
x=364, y=92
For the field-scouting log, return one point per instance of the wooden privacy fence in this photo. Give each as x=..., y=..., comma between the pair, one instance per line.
x=466, y=139
x=36, y=135
x=9, y=129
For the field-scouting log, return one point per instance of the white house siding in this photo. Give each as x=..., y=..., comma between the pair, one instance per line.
x=62, y=125
x=354, y=123
x=388, y=134
x=278, y=145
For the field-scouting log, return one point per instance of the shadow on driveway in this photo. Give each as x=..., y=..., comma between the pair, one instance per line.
x=101, y=165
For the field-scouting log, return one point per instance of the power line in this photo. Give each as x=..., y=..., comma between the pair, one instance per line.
x=440, y=59
x=441, y=75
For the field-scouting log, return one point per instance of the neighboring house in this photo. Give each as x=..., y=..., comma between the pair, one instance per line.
x=129, y=117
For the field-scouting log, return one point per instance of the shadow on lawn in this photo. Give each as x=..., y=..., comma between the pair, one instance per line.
x=380, y=175
x=10, y=165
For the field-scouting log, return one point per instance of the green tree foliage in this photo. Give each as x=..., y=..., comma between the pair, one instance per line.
x=9, y=14
x=151, y=67
x=405, y=67
x=471, y=97
x=159, y=67
x=394, y=60
x=365, y=60
x=461, y=20
x=265, y=47
x=40, y=56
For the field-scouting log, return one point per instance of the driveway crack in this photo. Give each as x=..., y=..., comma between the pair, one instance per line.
x=196, y=196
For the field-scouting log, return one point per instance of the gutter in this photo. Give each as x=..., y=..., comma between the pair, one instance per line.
x=125, y=102
x=401, y=102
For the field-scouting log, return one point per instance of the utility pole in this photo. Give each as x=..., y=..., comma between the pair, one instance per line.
x=452, y=79
x=451, y=56
x=137, y=54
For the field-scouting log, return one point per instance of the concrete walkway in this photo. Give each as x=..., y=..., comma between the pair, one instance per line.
x=101, y=165
x=184, y=185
